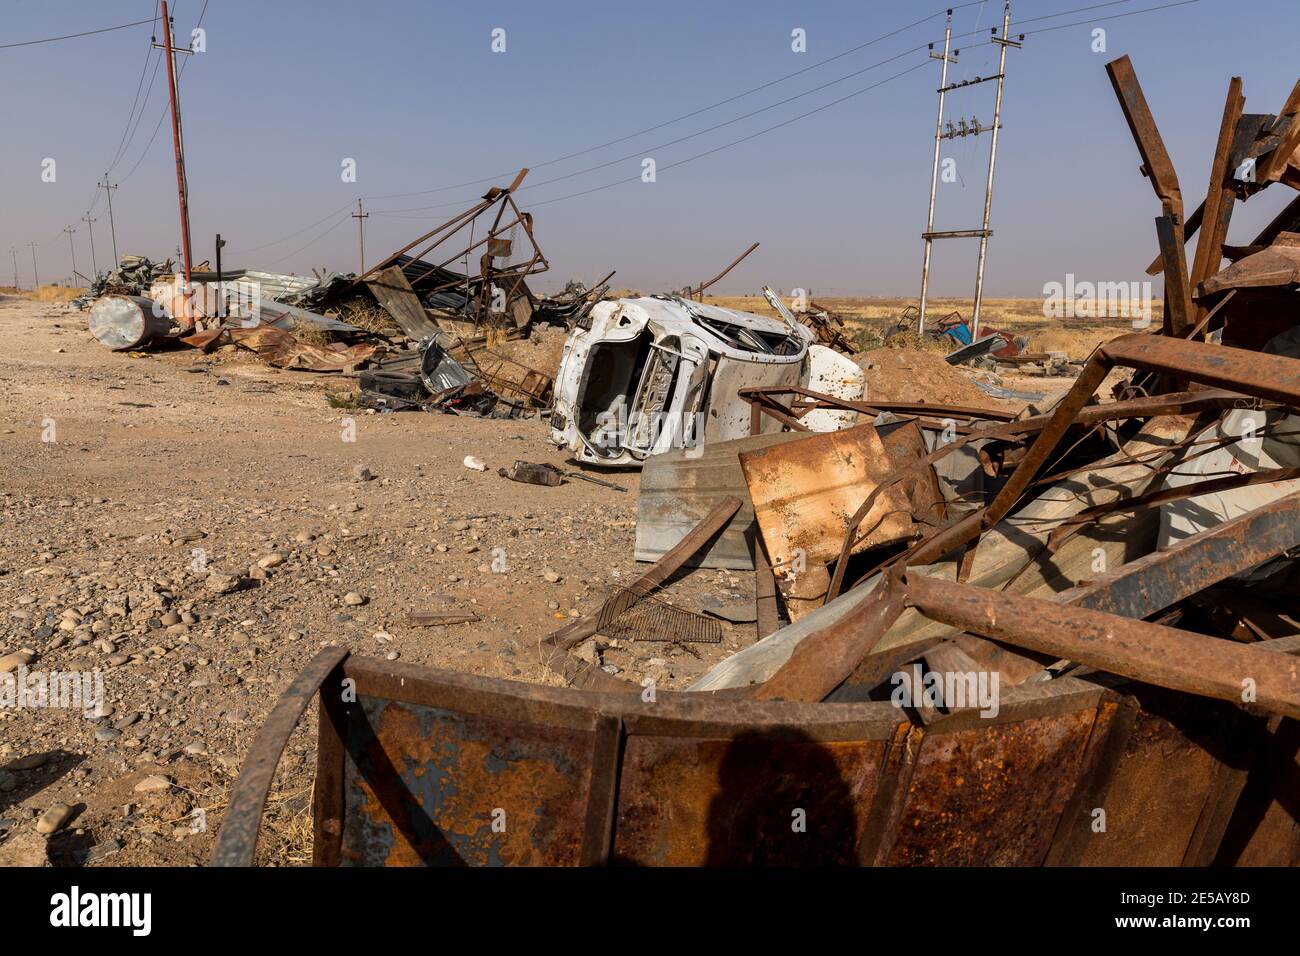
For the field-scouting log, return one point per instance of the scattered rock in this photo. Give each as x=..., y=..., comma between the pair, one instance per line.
x=54, y=819
x=221, y=583
x=11, y=662
x=154, y=783
x=353, y=599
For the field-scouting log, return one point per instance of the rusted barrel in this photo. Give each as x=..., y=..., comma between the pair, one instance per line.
x=127, y=321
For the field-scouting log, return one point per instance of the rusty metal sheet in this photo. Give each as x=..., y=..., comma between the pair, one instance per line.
x=993, y=793
x=1278, y=265
x=428, y=761
x=739, y=801
x=1166, y=775
x=805, y=491
x=435, y=787
x=283, y=350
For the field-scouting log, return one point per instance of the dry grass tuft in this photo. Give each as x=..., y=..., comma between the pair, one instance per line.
x=368, y=316
x=54, y=293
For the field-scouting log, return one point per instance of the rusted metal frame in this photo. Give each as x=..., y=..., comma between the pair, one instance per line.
x=896, y=771
x=602, y=793
x=555, y=646
x=1163, y=656
x=1253, y=374
x=461, y=253
x=470, y=213
x=767, y=394
x=1220, y=192
x=1208, y=314
x=486, y=270
x=1159, y=168
x=1161, y=579
x=328, y=802
x=699, y=289
x=1156, y=164
x=237, y=840
x=675, y=713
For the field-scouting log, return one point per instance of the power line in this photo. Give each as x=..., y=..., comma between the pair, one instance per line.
x=133, y=118
x=717, y=149
x=72, y=36
x=692, y=113
x=709, y=129
x=388, y=213
x=313, y=242
x=392, y=213
x=163, y=115
x=299, y=232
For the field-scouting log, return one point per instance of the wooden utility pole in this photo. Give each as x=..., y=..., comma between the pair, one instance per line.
x=13, y=251
x=72, y=246
x=94, y=266
x=112, y=226
x=182, y=189
x=36, y=276
x=359, y=216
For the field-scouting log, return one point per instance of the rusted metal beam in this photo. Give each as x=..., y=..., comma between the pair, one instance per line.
x=1161, y=579
x=1164, y=656
x=1156, y=164
x=822, y=660
x=1220, y=196
x=238, y=837
x=699, y=289
x=1178, y=294
x=766, y=620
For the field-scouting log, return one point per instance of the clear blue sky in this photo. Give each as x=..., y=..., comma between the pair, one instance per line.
x=414, y=93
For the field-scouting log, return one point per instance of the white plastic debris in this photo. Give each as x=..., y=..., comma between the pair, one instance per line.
x=476, y=463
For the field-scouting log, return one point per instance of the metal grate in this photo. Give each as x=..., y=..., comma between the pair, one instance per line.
x=630, y=615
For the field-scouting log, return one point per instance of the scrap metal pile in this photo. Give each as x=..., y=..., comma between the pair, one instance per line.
x=1065, y=636
x=420, y=333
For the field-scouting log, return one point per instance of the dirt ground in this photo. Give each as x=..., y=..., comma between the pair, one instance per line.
x=134, y=488
x=1076, y=337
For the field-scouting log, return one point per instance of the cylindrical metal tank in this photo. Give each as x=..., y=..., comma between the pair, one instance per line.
x=127, y=321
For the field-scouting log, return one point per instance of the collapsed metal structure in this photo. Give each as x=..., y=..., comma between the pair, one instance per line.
x=1123, y=569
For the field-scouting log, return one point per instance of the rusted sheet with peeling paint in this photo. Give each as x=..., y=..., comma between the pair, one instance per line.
x=804, y=492
x=428, y=786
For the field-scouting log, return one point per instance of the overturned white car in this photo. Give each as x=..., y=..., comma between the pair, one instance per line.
x=642, y=376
